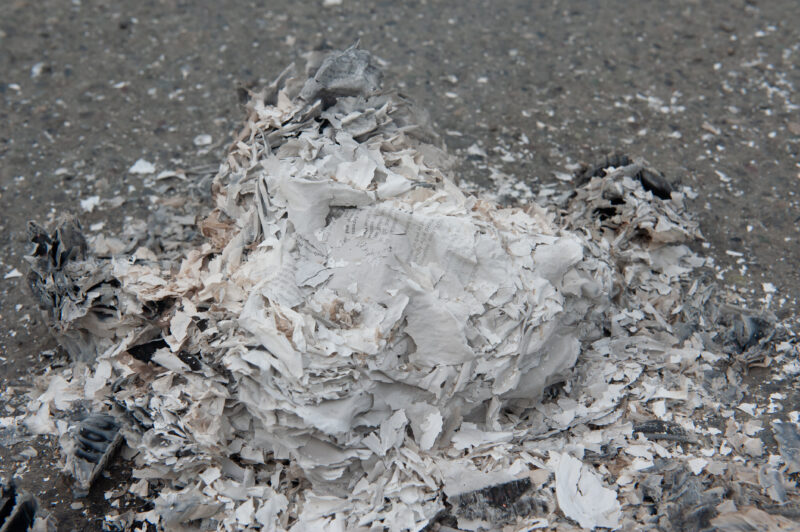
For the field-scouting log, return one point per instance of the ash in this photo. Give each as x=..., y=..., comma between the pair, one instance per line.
x=355, y=343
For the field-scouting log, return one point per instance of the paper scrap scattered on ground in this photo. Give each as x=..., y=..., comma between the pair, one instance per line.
x=142, y=167
x=202, y=140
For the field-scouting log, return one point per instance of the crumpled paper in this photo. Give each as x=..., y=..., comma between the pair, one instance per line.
x=357, y=343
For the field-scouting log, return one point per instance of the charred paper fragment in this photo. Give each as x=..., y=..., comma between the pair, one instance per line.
x=752, y=519
x=788, y=438
x=748, y=330
x=606, y=454
x=655, y=182
x=773, y=483
x=49, y=278
x=615, y=160
x=790, y=509
x=349, y=73
x=500, y=504
x=145, y=350
x=725, y=387
x=94, y=441
x=748, y=333
x=177, y=510
x=623, y=202
x=682, y=500
x=651, y=180
x=77, y=292
x=17, y=508
x=656, y=429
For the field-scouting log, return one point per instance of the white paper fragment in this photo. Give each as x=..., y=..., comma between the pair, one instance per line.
x=179, y=325
x=36, y=70
x=461, y=476
x=13, y=274
x=142, y=167
x=90, y=203
x=696, y=465
x=210, y=475
x=270, y=509
x=140, y=488
x=753, y=446
x=563, y=176
x=426, y=424
x=202, y=140
x=245, y=512
x=62, y=393
x=749, y=408
x=99, y=380
x=581, y=494
x=41, y=422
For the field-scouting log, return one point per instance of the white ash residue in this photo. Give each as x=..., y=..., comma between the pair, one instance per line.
x=357, y=343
